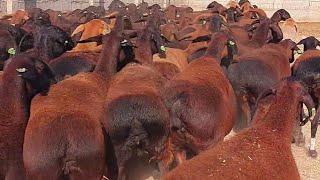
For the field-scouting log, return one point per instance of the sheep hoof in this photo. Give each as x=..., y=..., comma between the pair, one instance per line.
x=313, y=153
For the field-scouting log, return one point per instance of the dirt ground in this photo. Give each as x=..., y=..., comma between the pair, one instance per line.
x=309, y=168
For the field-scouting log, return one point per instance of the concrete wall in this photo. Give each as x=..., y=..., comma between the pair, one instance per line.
x=301, y=10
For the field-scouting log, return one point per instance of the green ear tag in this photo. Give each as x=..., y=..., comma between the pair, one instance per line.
x=162, y=48
x=299, y=51
x=231, y=43
x=12, y=51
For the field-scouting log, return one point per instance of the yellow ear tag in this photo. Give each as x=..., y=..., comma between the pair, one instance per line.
x=162, y=48
x=12, y=51
x=299, y=51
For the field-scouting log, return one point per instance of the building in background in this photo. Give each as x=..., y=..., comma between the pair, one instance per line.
x=301, y=10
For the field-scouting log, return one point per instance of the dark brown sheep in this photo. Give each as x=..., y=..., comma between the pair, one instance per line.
x=201, y=102
x=262, y=151
x=68, y=121
x=307, y=68
x=135, y=115
x=23, y=78
x=257, y=71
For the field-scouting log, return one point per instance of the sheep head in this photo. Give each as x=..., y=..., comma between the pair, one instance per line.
x=37, y=74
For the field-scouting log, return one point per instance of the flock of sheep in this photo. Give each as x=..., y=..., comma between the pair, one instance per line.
x=138, y=91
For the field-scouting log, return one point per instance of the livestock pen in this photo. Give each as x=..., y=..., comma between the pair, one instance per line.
x=173, y=85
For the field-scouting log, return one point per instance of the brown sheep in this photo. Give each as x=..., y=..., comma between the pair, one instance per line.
x=135, y=115
x=90, y=29
x=176, y=60
x=262, y=151
x=68, y=121
x=256, y=71
x=310, y=51
x=19, y=17
x=23, y=78
x=201, y=102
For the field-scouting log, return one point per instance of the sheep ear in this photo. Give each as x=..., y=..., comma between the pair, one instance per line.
x=79, y=29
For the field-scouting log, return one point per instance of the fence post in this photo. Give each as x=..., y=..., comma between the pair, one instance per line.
x=9, y=6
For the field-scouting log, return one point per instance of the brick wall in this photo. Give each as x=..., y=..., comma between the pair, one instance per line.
x=301, y=10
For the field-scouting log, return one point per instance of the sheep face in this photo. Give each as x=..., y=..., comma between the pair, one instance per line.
x=37, y=75
x=309, y=43
x=283, y=14
x=157, y=43
x=53, y=41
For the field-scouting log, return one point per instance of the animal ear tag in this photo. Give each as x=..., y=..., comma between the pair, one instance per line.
x=204, y=22
x=59, y=15
x=163, y=48
x=21, y=70
x=12, y=51
x=231, y=43
x=299, y=51
x=124, y=42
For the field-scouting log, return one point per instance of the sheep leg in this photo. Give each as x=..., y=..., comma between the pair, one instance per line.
x=244, y=114
x=123, y=154
x=297, y=136
x=247, y=112
x=122, y=174
x=314, y=126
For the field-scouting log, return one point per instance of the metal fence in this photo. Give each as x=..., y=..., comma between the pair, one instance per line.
x=303, y=10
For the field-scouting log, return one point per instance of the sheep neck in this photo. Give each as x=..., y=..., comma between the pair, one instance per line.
x=143, y=53
x=215, y=49
x=260, y=36
x=107, y=65
x=14, y=99
x=280, y=117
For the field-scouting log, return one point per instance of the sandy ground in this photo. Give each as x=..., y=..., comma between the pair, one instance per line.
x=309, y=168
